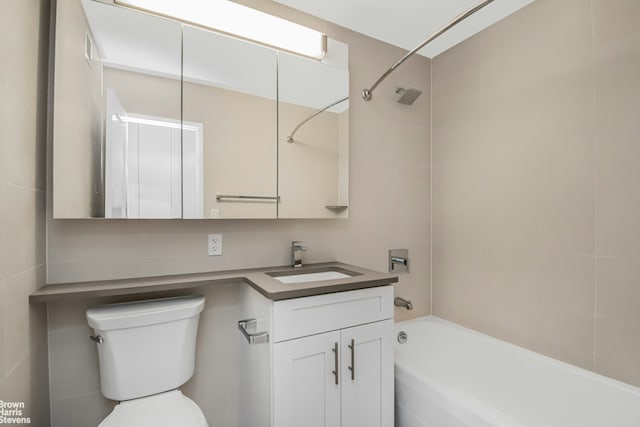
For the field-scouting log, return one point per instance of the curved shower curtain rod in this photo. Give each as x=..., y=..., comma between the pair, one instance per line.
x=290, y=137
x=367, y=94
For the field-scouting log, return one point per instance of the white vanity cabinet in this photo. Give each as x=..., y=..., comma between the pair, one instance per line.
x=331, y=359
x=339, y=378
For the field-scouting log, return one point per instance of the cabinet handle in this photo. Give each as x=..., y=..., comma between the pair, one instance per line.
x=335, y=358
x=352, y=368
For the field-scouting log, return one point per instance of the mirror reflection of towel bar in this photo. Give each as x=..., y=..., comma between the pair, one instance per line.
x=221, y=197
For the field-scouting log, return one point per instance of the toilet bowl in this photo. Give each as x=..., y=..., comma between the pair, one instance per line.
x=170, y=409
x=146, y=351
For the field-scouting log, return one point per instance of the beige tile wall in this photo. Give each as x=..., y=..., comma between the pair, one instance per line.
x=617, y=92
x=389, y=208
x=23, y=330
x=536, y=203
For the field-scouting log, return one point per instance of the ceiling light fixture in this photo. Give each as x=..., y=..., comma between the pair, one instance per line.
x=240, y=21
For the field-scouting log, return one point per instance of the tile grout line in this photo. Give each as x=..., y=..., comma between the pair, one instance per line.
x=595, y=186
x=25, y=271
x=49, y=382
x=79, y=396
x=23, y=359
x=4, y=337
x=31, y=349
x=431, y=186
x=25, y=187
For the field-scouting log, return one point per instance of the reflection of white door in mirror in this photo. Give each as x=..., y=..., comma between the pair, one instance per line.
x=192, y=170
x=151, y=170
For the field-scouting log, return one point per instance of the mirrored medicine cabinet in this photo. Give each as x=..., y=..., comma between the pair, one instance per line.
x=153, y=118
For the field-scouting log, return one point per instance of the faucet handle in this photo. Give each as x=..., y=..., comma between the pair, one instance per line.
x=296, y=253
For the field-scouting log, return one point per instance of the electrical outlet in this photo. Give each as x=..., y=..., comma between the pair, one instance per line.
x=215, y=244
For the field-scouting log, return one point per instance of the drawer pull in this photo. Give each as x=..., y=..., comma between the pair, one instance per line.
x=352, y=368
x=335, y=358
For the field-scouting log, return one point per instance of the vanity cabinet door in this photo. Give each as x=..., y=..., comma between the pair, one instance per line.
x=305, y=390
x=367, y=375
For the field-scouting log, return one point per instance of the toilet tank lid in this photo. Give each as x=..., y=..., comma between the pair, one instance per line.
x=142, y=313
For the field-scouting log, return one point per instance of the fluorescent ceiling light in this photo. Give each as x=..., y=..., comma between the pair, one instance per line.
x=241, y=21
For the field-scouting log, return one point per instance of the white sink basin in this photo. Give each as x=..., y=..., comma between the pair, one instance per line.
x=311, y=277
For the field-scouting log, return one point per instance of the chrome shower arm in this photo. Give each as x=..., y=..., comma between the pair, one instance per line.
x=367, y=94
x=290, y=137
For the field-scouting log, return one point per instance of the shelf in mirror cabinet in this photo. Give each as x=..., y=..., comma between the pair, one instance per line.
x=336, y=207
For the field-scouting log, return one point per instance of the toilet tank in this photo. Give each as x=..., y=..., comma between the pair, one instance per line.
x=145, y=347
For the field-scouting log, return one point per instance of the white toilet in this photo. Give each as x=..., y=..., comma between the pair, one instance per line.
x=146, y=350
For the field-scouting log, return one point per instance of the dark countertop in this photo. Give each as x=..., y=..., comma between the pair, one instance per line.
x=258, y=278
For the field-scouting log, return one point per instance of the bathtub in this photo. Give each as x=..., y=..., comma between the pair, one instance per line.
x=450, y=376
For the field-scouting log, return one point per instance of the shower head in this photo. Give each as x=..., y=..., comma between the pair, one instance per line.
x=408, y=96
x=367, y=94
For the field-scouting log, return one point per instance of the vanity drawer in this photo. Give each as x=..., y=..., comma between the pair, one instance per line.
x=300, y=317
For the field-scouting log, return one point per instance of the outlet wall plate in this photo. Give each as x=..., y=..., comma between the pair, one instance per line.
x=214, y=246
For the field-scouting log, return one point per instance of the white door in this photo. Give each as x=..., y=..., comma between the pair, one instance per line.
x=153, y=165
x=158, y=172
x=116, y=152
x=192, y=171
x=367, y=375
x=306, y=386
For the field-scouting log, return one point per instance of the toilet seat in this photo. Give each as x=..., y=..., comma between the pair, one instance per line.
x=168, y=409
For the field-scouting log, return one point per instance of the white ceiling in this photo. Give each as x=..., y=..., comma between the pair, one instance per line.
x=407, y=23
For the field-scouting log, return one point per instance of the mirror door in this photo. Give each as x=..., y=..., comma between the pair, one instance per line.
x=117, y=113
x=313, y=143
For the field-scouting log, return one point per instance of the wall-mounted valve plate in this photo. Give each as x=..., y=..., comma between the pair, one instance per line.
x=398, y=260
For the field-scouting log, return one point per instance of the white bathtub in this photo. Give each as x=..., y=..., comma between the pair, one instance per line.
x=450, y=376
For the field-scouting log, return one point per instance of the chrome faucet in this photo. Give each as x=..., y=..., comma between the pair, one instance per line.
x=296, y=254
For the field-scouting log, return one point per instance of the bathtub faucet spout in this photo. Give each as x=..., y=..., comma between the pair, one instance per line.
x=401, y=302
